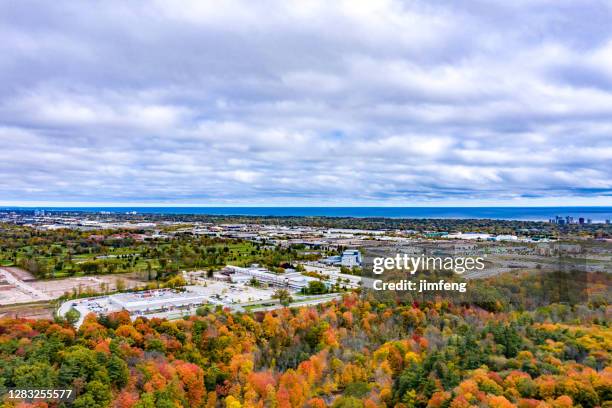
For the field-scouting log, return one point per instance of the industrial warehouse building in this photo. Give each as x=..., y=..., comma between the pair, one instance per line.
x=292, y=280
x=164, y=299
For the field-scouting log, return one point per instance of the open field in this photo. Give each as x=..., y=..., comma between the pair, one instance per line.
x=20, y=273
x=104, y=283
x=60, y=254
x=17, y=286
x=14, y=290
x=10, y=295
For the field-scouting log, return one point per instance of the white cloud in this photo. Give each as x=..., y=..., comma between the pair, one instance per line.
x=311, y=101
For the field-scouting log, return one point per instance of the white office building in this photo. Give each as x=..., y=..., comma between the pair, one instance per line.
x=351, y=258
x=292, y=280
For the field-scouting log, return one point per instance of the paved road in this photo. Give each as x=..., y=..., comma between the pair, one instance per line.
x=67, y=305
x=300, y=303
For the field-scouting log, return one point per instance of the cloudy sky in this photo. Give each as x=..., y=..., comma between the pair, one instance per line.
x=306, y=102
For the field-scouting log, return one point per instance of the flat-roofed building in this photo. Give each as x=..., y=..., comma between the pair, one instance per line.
x=351, y=258
x=156, y=300
x=293, y=280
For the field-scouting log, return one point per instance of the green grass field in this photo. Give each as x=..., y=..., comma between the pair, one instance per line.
x=64, y=259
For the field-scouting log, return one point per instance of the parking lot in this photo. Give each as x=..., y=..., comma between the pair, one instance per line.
x=170, y=303
x=227, y=293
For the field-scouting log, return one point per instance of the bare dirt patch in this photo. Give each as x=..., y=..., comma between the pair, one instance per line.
x=16, y=286
x=14, y=290
x=101, y=284
x=19, y=273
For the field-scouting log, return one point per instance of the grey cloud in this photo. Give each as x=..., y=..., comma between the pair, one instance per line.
x=304, y=102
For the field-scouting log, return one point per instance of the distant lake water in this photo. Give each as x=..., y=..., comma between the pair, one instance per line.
x=597, y=214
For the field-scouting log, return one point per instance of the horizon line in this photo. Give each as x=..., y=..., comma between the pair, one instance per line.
x=3, y=206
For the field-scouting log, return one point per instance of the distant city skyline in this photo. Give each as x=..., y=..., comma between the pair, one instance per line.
x=543, y=202
x=349, y=103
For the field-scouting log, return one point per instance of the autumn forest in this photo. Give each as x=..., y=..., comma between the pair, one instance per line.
x=357, y=352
